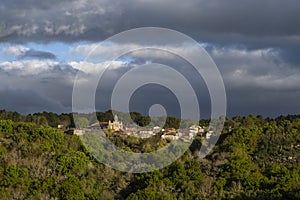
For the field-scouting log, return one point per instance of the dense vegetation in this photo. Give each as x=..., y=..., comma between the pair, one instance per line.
x=66, y=119
x=255, y=158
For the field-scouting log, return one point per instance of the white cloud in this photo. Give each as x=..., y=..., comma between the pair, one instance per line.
x=103, y=50
x=92, y=68
x=24, y=29
x=107, y=51
x=73, y=29
x=43, y=67
x=15, y=50
x=256, y=68
x=28, y=67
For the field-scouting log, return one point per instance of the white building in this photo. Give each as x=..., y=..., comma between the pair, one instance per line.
x=157, y=129
x=170, y=136
x=115, y=125
x=208, y=134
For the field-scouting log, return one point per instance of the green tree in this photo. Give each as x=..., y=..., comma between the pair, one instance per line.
x=81, y=122
x=71, y=189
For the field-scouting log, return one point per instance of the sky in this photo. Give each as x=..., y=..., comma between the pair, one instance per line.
x=45, y=44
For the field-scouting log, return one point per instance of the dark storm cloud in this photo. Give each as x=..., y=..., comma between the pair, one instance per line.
x=28, y=101
x=214, y=21
x=37, y=54
x=45, y=85
x=21, y=52
x=23, y=21
x=254, y=43
x=245, y=24
x=36, y=85
x=258, y=101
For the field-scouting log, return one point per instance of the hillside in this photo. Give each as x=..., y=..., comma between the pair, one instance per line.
x=255, y=158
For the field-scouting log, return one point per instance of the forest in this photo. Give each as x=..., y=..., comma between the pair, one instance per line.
x=255, y=158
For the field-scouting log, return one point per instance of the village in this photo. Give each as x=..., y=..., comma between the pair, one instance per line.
x=116, y=127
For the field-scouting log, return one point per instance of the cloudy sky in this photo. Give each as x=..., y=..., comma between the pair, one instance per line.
x=255, y=44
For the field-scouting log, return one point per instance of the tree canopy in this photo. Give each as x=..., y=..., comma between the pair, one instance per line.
x=255, y=158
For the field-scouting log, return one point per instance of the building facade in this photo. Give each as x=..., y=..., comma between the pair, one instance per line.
x=116, y=125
